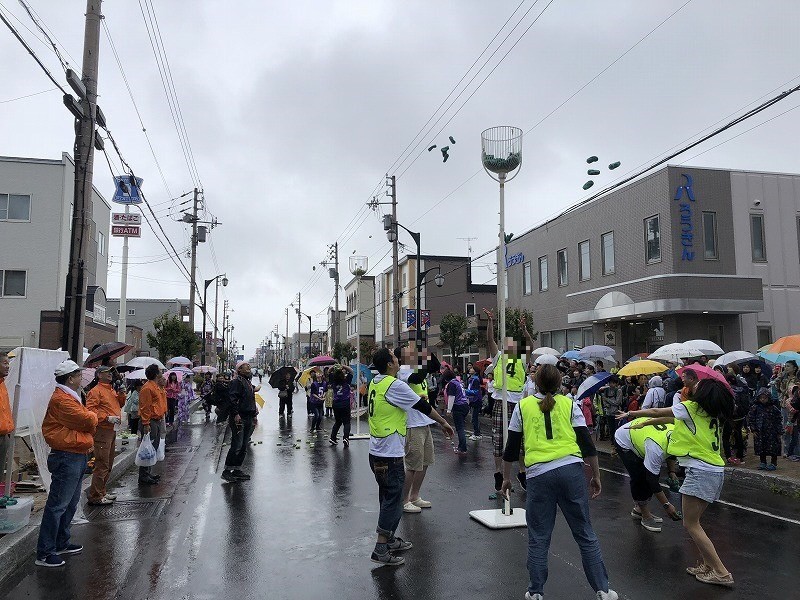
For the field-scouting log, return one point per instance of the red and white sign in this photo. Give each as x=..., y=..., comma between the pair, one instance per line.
x=126, y=231
x=126, y=219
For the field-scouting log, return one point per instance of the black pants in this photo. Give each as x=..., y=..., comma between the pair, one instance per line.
x=643, y=483
x=133, y=424
x=240, y=440
x=738, y=442
x=172, y=405
x=287, y=402
x=773, y=459
x=342, y=416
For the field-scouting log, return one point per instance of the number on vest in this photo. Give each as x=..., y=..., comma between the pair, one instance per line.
x=660, y=427
x=511, y=368
x=715, y=427
x=372, y=403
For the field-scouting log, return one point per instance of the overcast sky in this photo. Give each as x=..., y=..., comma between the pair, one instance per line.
x=295, y=111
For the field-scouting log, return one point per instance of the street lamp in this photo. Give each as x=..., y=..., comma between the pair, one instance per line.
x=391, y=233
x=208, y=282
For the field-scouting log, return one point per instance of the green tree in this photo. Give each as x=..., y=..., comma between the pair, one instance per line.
x=368, y=348
x=343, y=352
x=514, y=319
x=455, y=335
x=172, y=337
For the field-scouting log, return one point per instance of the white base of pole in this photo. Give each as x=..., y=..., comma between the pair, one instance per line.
x=496, y=519
x=359, y=436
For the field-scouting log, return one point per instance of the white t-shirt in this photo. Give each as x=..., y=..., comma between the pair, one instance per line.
x=653, y=457
x=529, y=389
x=415, y=417
x=680, y=412
x=497, y=392
x=540, y=468
x=654, y=398
x=403, y=397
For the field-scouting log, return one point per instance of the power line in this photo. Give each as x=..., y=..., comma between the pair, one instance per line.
x=64, y=64
x=28, y=96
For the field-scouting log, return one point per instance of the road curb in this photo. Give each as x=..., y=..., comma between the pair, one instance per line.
x=767, y=481
x=18, y=547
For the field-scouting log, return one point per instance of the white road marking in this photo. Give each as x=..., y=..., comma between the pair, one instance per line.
x=731, y=504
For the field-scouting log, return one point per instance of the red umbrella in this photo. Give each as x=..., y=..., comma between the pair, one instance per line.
x=707, y=373
x=480, y=366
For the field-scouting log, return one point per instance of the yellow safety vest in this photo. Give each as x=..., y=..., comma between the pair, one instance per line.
x=420, y=389
x=660, y=434
x=548, y=436
x=384, y=419
x=703, y=444
x=515, y=369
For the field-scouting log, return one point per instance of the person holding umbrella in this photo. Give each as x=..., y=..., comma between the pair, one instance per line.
x=106, y=403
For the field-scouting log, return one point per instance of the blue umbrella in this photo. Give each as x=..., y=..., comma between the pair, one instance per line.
x=365, y=373
x=572, y=355
x=590, y=386
x=781, y=358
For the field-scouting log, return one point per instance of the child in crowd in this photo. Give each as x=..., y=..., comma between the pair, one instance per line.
x=765, y=423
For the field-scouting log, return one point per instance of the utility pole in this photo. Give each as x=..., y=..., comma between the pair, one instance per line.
x=336, y=294
x=192, y=282
x=73, y=325
x=392, y=183
x=287, y=358
x=299, y=330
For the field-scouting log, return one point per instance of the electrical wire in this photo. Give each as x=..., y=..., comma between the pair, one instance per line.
x=64, y=64
x=28, y=96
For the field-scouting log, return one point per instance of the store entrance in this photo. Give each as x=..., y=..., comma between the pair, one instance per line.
x=642, y=336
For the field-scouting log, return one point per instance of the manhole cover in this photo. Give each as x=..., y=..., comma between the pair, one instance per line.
x=125, y=510
x=179, y=449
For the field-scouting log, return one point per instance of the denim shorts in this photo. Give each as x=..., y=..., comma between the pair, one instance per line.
x=706, y=485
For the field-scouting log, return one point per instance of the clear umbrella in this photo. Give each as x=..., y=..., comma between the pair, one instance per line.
x=674, y=352
x=706, y=347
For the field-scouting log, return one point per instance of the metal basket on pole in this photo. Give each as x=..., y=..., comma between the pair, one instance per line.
x=501, y=156
x=358, y=267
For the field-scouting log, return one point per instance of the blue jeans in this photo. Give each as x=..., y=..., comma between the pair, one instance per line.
x=476, y=413
x=66, y=469
x=564, y=487
x=316, y=420
x=793, y=446
x=390, y=475
x=460, y=412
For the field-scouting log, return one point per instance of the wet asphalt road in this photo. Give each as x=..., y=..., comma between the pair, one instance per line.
x=304, y=528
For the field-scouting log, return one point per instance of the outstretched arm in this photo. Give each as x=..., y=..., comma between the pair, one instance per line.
x=527, y=334
x=491, y=341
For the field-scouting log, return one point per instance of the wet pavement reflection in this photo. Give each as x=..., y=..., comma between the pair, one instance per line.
x=303, y=527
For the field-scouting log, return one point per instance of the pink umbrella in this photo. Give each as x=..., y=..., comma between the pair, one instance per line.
x=707, y=373
x=320, y=361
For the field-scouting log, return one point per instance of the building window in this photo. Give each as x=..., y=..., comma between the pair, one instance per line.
x=543, y=274
x=574, y=339
x=131, y=312
x=469, y=309
x=716, y=334
x=607, y=242
x=588, y=336
x=404, y=282
x=101, y=243
x=757, y=238
x=710, y=236
x=764, y=335
x=561, y=265
x=544, y=338
x=584, y=261
x=558, y=340
x=13, y=284
x=526, y=278
x=652, y=238
x=15, y=207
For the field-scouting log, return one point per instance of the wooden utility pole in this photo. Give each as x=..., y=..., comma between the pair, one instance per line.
x=336, y=324
x=74, y=325
x=192, y=282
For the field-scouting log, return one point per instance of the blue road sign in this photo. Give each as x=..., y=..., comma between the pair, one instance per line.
x=126, y=192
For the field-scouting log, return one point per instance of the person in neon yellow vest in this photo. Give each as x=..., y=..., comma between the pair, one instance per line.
x=556, y=442
x=643, y=450
x=389, y=401
x=695, y=441
x=419, y=439
x=515, y=375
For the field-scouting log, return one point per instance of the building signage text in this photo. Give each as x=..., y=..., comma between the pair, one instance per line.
x=126, y=219
x=514, y=259
x=126, y=231
x=686, y=213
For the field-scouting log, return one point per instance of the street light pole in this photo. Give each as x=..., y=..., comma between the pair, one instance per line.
x=208, y=282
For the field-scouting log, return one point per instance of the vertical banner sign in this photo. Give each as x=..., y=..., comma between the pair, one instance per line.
x=411, y=318
x=426, y=318
x=687, y=226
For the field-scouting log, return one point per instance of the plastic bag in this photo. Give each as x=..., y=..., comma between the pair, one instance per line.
x=146, y=454
x=160, y=452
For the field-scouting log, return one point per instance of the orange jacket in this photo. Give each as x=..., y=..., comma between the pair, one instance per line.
x=152, y=402
x=103, y=401
x=68, y=425
x=6, y=420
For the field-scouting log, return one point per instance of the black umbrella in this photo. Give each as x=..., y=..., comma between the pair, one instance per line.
x=280, y=375
x=110, y=350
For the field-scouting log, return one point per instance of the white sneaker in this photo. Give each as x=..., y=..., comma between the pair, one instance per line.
x=474, y=437
x=609, y=595
x=529, y=596
x=421, y=503
x=409, y=507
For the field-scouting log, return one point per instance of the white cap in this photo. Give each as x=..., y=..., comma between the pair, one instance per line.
x=67, y=367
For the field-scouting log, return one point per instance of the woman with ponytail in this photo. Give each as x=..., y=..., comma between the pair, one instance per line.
x=556, y=442
x=695, y=442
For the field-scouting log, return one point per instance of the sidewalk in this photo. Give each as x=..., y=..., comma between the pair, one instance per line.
x=784, y=481
x=18, y=547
